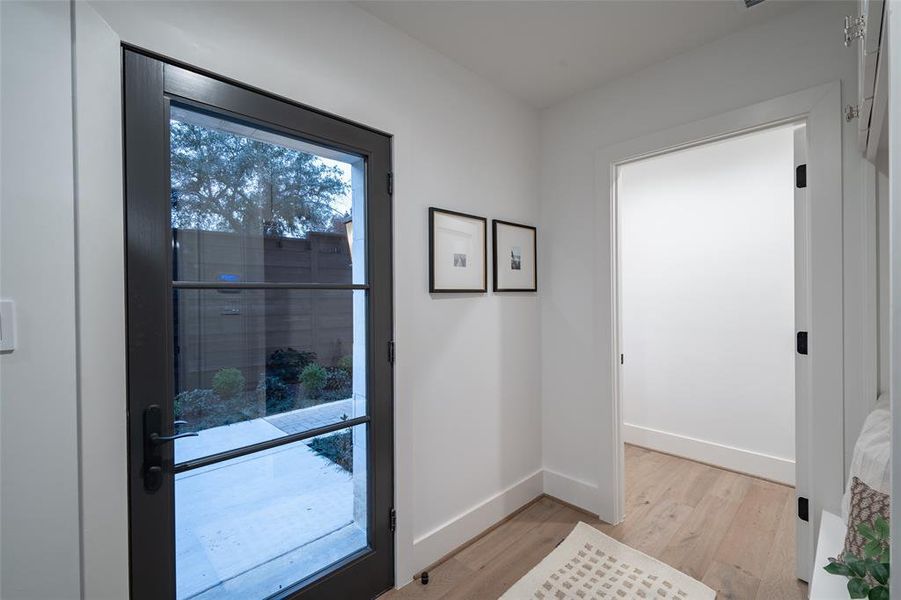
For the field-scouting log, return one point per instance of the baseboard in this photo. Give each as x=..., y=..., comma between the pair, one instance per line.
x=581, y=494
x=432, y=546
x=744, y=461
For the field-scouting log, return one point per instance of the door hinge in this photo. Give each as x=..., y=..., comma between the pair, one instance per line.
x=390, y=183
x=392, y=520
x=802, y=342
x=391, y=354
x=852, y=111
x=855, y=28
x=621, y=358
x=803, y=509
x=801, y=176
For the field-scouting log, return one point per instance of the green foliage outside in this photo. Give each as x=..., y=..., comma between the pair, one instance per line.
x=279, y=395
x=338, y=448
x=868, y=577
x=314, y=377
x=227, y=182
x=346, y=364
x=292, y=380
x=288, y=363
x=204, y=408
x=228, y=383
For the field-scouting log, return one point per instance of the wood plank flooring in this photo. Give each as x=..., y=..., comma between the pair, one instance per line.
x=733, y=532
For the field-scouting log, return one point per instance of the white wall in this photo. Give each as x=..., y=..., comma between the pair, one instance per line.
x=793, y=53
x=883, y=262
x=39, y=514
x=468, y=433
x=707, y=292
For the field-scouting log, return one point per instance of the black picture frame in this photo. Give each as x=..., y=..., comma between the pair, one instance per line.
x=434, y=288
x=494, y=256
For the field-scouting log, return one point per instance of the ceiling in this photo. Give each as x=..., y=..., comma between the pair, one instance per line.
x=545, y=51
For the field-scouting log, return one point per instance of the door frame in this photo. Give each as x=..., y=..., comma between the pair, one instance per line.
x=820, y=109
x=149, y=81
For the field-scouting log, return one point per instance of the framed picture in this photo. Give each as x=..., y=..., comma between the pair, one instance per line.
x=458, y=252
x=515, y=257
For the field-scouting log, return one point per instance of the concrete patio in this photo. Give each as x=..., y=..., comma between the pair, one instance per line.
x=248, y=526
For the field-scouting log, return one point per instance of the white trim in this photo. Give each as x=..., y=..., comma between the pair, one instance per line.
x=821, y=108
x=758, y=464
x=571, y=490
x=433, y=545
x=894, y=292
x=824, y=586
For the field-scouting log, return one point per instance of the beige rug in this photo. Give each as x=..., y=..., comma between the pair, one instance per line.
x=589, y=565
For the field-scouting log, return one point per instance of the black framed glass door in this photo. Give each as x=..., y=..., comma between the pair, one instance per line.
x=259, y=323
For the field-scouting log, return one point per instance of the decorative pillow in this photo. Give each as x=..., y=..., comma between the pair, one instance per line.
x=866, y=505
x=871, y=461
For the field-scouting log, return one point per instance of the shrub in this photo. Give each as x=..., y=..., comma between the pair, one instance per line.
x=287, y=364
x=313, y=377
x=339, y=380
x=279, y=395
x=194, y=402
x=228, y=383
x=338, y=448
x=346, y=364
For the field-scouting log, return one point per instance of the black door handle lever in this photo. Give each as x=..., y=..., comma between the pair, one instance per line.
x=153, y=440
x=158, y=439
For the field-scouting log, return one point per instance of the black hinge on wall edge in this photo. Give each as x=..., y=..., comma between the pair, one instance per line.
x=391, y=352
x=392, y=520
x=803, y=509
x=801, y=176
x=802, y=342
x=390, y=183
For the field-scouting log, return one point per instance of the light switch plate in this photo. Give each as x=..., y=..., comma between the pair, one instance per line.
x=7, y=325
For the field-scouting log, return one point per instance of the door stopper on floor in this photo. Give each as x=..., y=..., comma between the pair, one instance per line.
x=424, y=578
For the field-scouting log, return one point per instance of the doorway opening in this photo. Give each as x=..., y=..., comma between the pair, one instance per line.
x=712, y=292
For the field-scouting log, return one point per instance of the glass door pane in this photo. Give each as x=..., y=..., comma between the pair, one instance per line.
x=251, y=526
x=257, y=364
x=269, y=337
x=252, y=205
x=259, y=304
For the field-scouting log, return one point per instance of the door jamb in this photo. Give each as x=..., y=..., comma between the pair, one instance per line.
x=820, y=108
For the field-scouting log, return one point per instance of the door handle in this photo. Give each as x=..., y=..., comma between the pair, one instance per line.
x=153, y=440
x=158, y=439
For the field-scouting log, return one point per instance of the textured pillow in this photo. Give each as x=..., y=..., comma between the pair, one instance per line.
x=866, y=505
x=871, y=461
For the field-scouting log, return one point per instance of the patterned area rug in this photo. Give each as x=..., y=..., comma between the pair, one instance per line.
x=589, y=565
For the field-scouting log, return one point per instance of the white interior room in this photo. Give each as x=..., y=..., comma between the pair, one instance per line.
x=356, y=299
x=707, y=302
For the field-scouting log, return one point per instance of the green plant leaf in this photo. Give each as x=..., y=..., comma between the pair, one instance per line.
x=872, y=549
x=878, y=570
x=882, y=527
x=858, y=569
x=866, y=531
x=837, y=568
x=858, y=588
x=880, y=592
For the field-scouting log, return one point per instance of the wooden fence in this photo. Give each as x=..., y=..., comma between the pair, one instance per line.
x=216, y=329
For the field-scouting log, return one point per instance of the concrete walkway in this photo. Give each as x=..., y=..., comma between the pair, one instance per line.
x=248, y=526
x=305, y=419
x=228, y=437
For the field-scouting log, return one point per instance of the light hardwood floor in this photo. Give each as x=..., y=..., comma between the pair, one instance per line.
x=733, y=532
